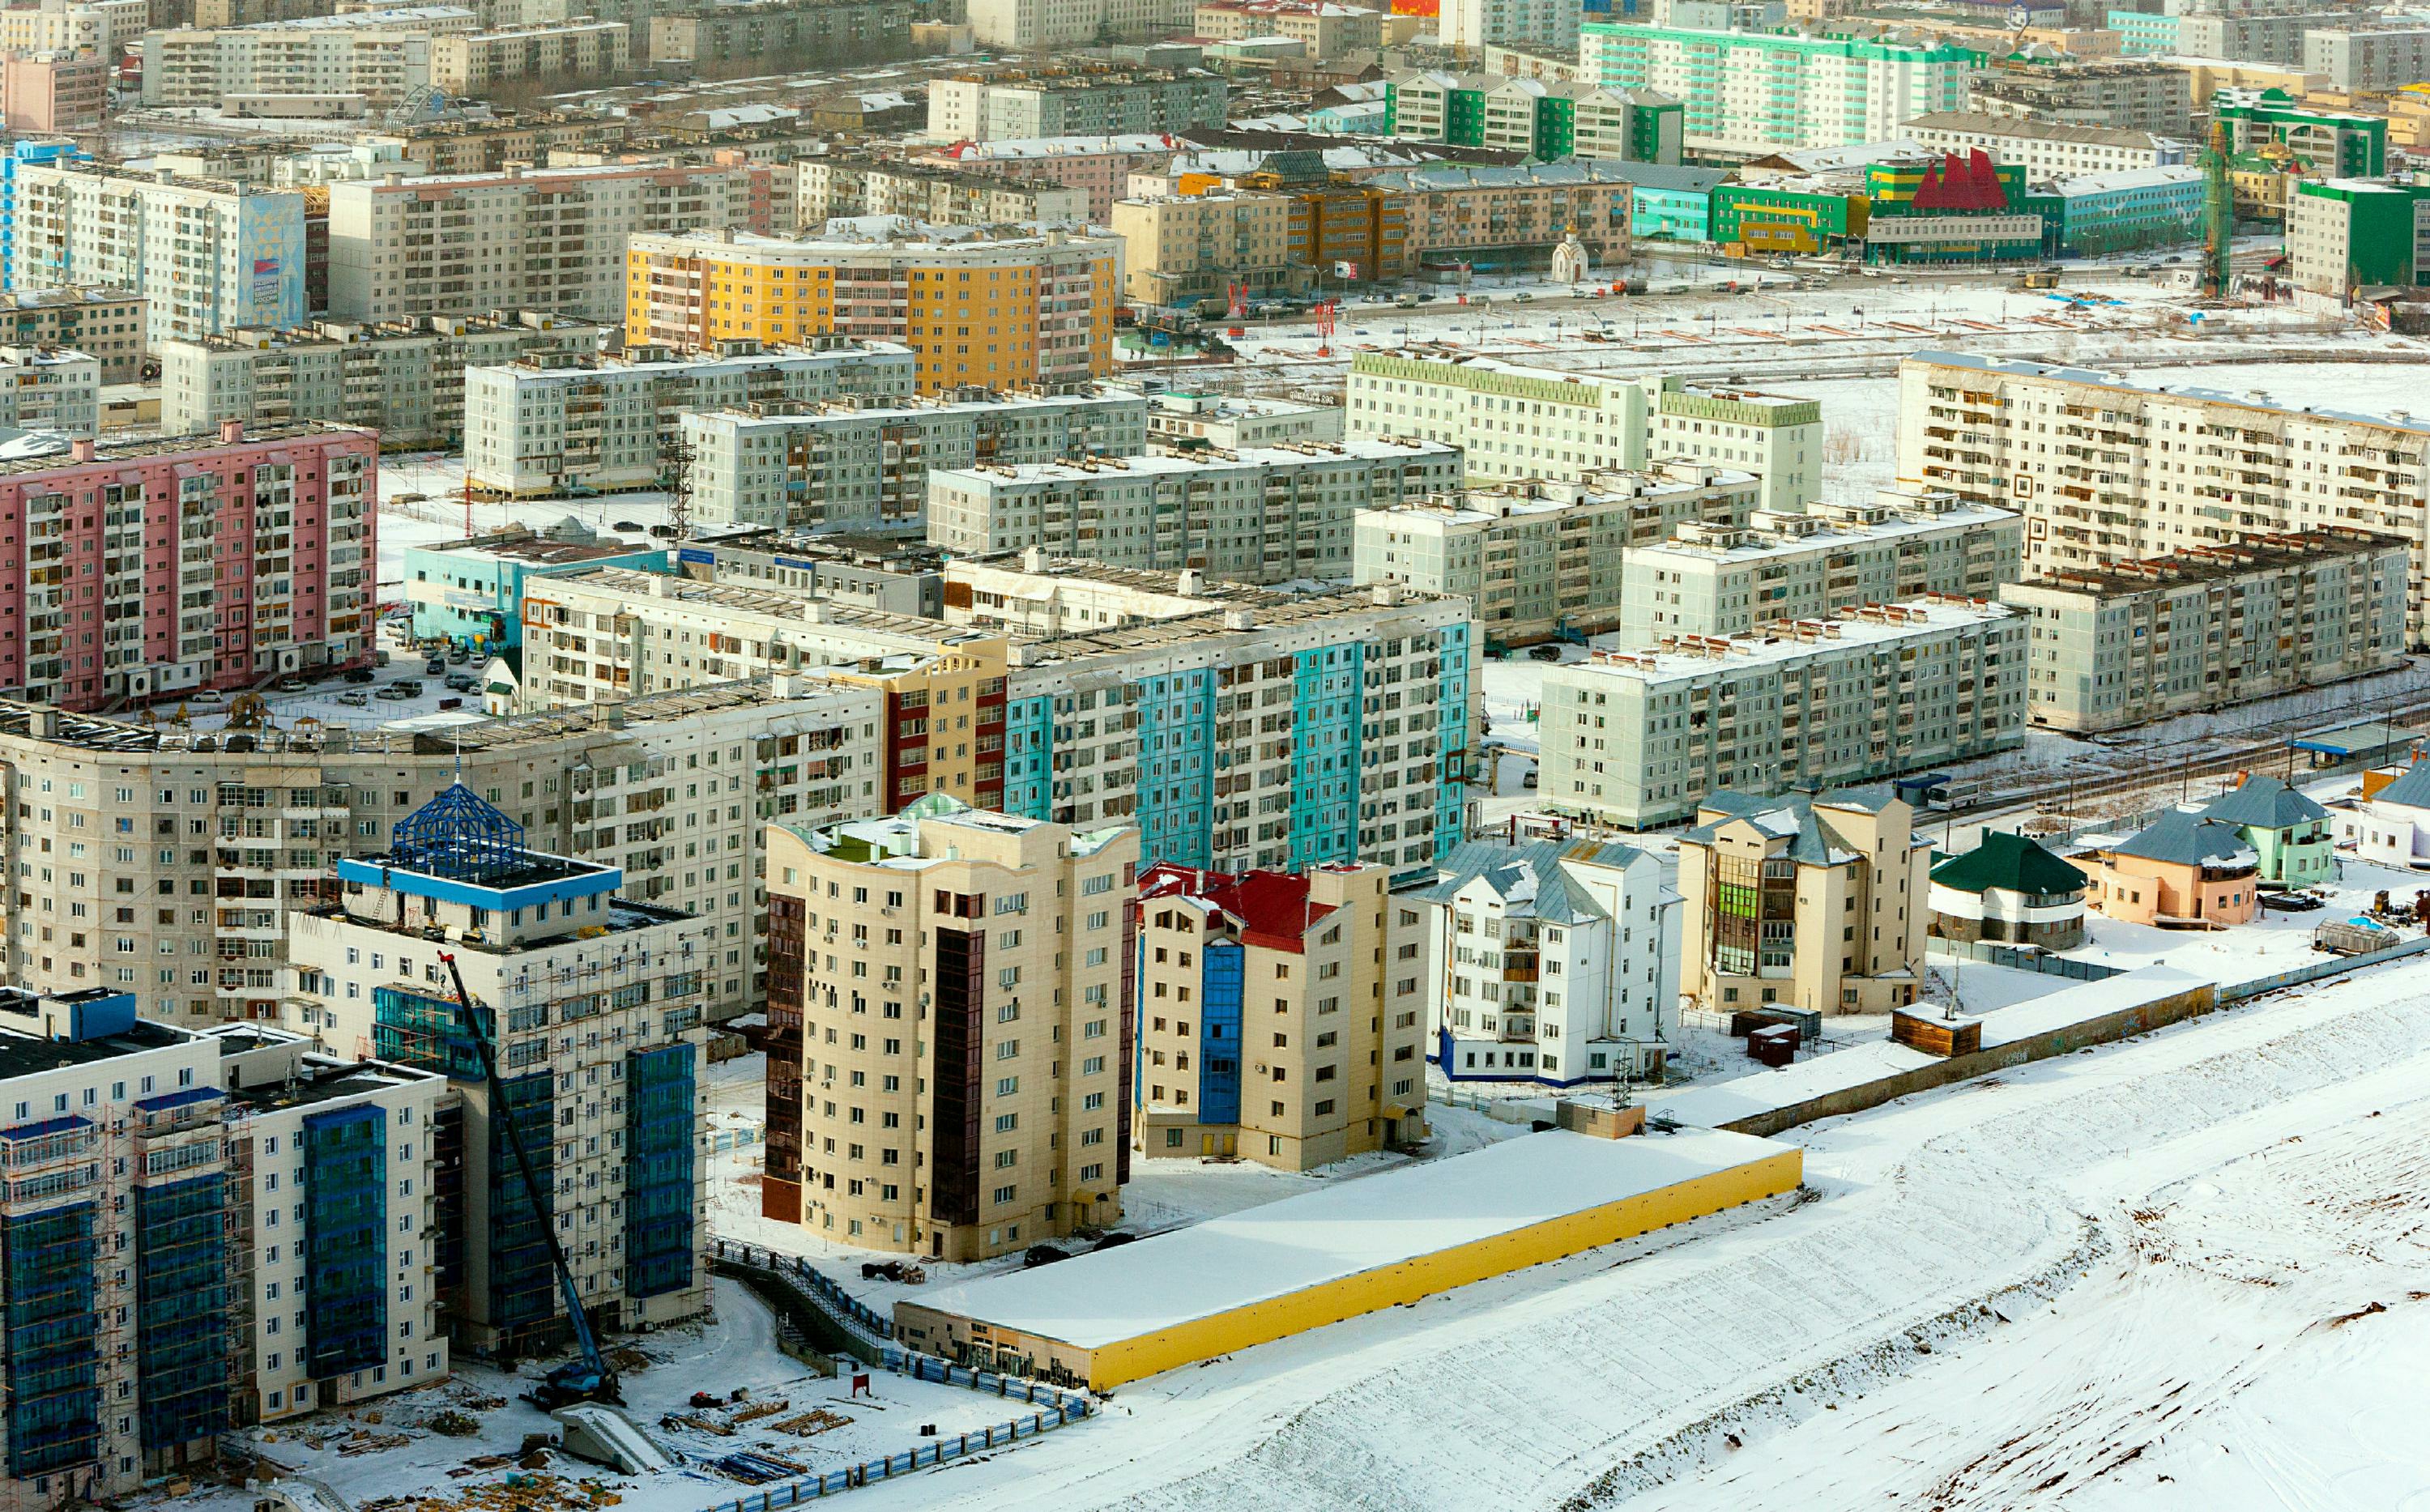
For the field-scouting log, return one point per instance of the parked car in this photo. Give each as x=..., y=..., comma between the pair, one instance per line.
x=434, y=667
x=394, y=693
x=447, y=704
x=1116, y=1240
x=462, y=682
x=1544, y=653
x=293, y=685
x=381, y=659
x=365, y=674
x=355, y=698
x=1039, y=1254
x=1526, y=299
x=207, y=697
x=457, y=656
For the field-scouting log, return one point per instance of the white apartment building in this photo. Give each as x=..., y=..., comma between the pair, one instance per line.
x=1037, y=25
x=597, y=1006
x=983, y=107
x=2374, y=60
x=50, y=387
x=1751, y=92
x=840, y=185
x=1551, y=962
x=975, y=963
x=528, y=238
x=1547, y=25
x=537, y=427
x=1260, y=516
x=206, y=255
x=2047, y=150
x=1181, y=422
x=1513, y=421
x=862, y=463
x=403, y=378
x=674, y=791
x=334, y=1161
x=1637, y=738
x=1724, y=580
x=381, y=55
x=1535, y=559
x=2107, y=469
x=473, y=62
x=100, y=27
x=2137, y=641
x=1106, y=679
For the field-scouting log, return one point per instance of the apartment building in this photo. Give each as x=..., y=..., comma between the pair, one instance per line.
x=1082, y=101
x=2378, y=58
x=1260, y=516
x=1750, y=94
x=1100, y=167
x=1037, y=25
x=540, y=425
x=473, y=61
x=949, y=1039
x=404, y=380
x=528, y=239
x=102, y=27
x=2212, y=626
x=205, y=256
x=1111, y=674
x=2332, y=144
x=43, y=92
x=2045, y=150
x=1459, y=212
x=2107, y=469
x=1000, y=312
x=1514, y=421
x=357, y=1142
x=50, y=389
x=105, y=324
x=1279, y=1016
x=2254, y=36
x=1324, y=30
x=1179, y=252
x=840, y=185
x=381, y=55
x=596, y=1003
x=1814, y=903
x=1634, y=737
x=280, y=582
x=1546, y=26
x=841, y=30
x=1178, y=421
x=855, y=464
x=1538, y=559
x=2346, y=234
x=2109, y=94
x=1724, y=579
x=1539, y=118
x=1554, y=962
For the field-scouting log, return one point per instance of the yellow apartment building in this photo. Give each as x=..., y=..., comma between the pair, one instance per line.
x=1003, y=312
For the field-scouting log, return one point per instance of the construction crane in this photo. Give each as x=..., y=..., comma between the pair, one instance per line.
x=587, y=1377
x=2219, y=215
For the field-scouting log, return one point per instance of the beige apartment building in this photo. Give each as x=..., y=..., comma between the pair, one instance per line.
x=1280, y=1015
x=474, y=61
x=948, y=1034
x=1182, y=250
x=104, y=323
x=1814, y=903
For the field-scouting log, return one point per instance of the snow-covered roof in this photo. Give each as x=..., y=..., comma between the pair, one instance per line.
x=1341, y=1229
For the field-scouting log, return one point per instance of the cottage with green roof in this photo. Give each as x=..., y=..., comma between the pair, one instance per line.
x=2009, y=890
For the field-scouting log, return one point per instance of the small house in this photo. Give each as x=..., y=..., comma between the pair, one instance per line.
x=2287, y=831
x=2012, y=890
x=2183, y=871
x=2389, y=823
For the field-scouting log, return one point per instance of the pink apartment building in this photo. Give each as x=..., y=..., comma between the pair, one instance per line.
x=147, y=570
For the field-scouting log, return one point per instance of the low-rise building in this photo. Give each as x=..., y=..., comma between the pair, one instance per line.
x=1513, y=421
x=976, y=962
x=1279, y=1016
x=863, y=463
x=2348, y=235
x=1515, y=217
x=1634, y=737
x=476, y=61
x=2045, y=149
x=105, y=324
x=1554, y=962
x=540, y=427
x=402, y=379
x=2183, y=871
x=2009, y=891
x=472, y=591
x=1810, y=902
x=1668, y=204
x=1178, y=252
x=839, y=185
x=2211, y=626
x=1074, y=101
x=1178, y=421
x=50, y=387
x=1272, y=515
x=2388, y=822
x=1713, y=578
x=2287, y=831
x=2103, y=213
x=1539, y=559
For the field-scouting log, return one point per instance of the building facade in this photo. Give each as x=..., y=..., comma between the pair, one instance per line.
x=2345, y=235
x=2373, y=59
x=2332, y=144
x=474, y=62
x=1816, y=904
x=51, y=389
x=382, y=56
x=973, y=1100
x=471, y=592
x=1279, y=1017
x=282, y=582
x=2008, y=890
x=105, y=324
x=1554, y=962
x=1073, y=102
x=1634, y=738
x=1515, y=422
x=2045, y=149
x=43, y=92
x=839, y=185
x=766, y=28
x=205, y=256
x=1099, y=166
x=1180, y=250
x=1752, y=93
x=2177, y=467
x=1000, y=312
x=2213, y=626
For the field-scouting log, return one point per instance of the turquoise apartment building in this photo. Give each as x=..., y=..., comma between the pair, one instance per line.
x=472, y=591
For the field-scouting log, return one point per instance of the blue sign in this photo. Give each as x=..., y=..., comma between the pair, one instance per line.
x=687, y=553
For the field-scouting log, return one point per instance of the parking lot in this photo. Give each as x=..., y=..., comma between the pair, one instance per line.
x=400, y=690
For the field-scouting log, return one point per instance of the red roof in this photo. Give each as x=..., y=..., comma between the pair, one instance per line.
x=1271, y=909
x=1955, y=183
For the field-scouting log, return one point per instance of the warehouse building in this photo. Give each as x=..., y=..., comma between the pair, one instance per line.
x=1342, y=1251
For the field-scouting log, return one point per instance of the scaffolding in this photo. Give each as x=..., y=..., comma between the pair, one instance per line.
x=659, y=1179
x=54, y=1362
x=457, y=836
x=345, y=1224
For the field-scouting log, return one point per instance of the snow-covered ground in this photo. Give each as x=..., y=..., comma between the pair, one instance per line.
x=2144, y=1276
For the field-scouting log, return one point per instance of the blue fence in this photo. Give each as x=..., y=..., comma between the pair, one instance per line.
x=1059, y=1408
x=1992, y=953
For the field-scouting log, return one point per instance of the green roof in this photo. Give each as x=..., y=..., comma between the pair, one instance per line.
x=2010, y=863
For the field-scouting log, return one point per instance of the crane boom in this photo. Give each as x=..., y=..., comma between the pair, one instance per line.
x=592, y=1379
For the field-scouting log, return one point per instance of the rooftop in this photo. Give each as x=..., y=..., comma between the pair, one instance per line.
x=1872, y=624
x=2126, y=178
x=2011, y=863
x=926, y=239
x=1271, y=908
x=1770, y=535
x=112, y=455
x=1984, y=123
x=2022, y=368
x=1116, y=467
x=2210, y=564
x=648, y=361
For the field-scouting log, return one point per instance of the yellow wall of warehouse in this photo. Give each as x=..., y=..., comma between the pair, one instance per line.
x=1368, y=1291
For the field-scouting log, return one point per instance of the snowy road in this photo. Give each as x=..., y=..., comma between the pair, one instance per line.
x=1584, y=1382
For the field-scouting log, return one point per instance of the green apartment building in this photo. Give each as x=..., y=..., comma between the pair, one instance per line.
x=1749, y=94
x=2348, y=234
x=2334, y=143
x=1545, y=120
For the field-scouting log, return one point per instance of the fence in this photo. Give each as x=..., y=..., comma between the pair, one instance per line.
x=1992, y=953
x=2339, y=966
x=839, y=1306
x=1061, y=1407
